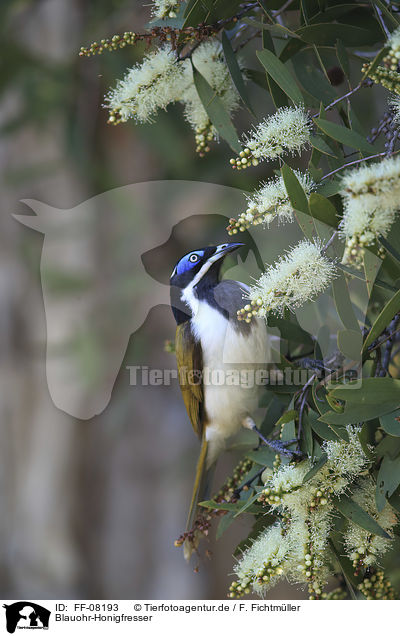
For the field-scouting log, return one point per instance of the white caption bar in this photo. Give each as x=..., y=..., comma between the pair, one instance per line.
x=194, y=617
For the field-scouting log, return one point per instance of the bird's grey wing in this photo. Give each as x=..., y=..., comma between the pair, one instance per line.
x=231, y=295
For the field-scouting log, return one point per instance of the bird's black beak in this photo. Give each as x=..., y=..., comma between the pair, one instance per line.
x=226, y=248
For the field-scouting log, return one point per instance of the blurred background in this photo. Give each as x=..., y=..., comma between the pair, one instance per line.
x=91, y=506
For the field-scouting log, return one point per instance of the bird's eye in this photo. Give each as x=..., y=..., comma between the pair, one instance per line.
x=222, y=247
x=193, y=258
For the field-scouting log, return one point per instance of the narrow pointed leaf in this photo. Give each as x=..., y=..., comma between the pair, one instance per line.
x=235, y=71
x=317, y=467
x=321, y=145
x=343, y=58
x=343, y=303
x=384, y=318
x=327, y=33
x=216, y=111
x=280, y=74
x=388, y=14
x=352, y=511
x=345, y=135
x=298, y=199
x=387, y=481
x=391, y=423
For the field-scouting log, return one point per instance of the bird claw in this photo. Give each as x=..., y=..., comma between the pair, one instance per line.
x=282, y=448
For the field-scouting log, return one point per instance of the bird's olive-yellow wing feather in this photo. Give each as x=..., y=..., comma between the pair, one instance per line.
x=189, y=361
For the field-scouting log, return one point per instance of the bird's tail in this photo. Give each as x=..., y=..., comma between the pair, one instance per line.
x=201, y=492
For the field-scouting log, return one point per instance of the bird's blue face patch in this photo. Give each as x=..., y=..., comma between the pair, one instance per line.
x=188, y=262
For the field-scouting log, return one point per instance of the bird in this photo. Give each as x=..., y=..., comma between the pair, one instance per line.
x=209, y=338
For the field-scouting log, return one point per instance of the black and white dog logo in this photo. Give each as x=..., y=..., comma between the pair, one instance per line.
x=26, y=615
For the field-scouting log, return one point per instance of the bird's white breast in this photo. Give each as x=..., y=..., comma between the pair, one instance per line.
x=226, y=350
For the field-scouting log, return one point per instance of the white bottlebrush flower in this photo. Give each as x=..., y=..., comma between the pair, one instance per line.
x=346, y=459
x=161, y=80
x=393, y=56
x=310, y=555
x=297, y=277
x=286, y=131
x=153, y=84
x=264, y=563
x=269, y=202
x=165, y=8
x=371, y=199
x=299, y=549
x=394, y=41
x=208, y=59
x=363, y=547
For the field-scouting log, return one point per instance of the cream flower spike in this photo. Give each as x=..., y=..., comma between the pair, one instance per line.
x=165, y=8
x=153, y=84
x=268, y=203
x=371, y=199
x=286, y=132
x=209, y=61
x=296, y=277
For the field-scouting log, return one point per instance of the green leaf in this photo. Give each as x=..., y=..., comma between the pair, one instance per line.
x=306, y=442
x=343, y=58
x=278, y=96
x=317, y=467
x=322, y=429
x=385, y=317
x=288, y=427
x=313, y=81
x=367, y=437
x=276, y=29
x=320, y=144
x=196, y=12
x=354, y=414
x=388, y=14
x=329, y=14
x=280, y=74
x=258, y=77
x=387, y=481
x=344, y=135
x=389, y=248
x=347, y=571
x=329, y=188
x=390, y=423
x=291, y=331
x=231, y=507
x=262, y=456
x=352, y=511
x=322, y=209
x=350, y=343
x=216, y=111
x=224, y=523
x=357, y=274
x=370, y=391
x=389, y=446
x=327, y=33
x=247, y=504
x=298, y=199
x=371, y=265
x=235, y=71
x=343, y=303
x=290, y=49
x=394, y=501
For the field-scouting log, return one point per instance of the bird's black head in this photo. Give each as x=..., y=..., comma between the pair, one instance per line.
x=200, y=271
